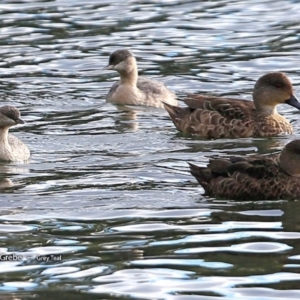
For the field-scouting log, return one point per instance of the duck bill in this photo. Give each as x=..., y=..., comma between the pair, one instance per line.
x=19, y=121
x=293, y=101
x=108, y=67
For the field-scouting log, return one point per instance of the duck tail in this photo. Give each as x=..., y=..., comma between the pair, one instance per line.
x=174, y=111
x=202, y=174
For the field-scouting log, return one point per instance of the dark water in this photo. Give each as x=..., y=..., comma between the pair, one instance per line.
x=107, y=196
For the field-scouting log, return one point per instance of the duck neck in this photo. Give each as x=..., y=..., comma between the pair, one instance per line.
x=4, y=136
x=262, y=106
x=289, y=163
x=266, y=110
x=129, y=76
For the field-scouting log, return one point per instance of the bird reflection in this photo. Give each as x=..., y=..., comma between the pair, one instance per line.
x=127, y=119
x=6, y=171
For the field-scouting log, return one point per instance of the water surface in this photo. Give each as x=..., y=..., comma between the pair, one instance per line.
x=107, y=196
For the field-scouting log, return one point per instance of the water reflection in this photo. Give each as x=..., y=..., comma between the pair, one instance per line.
x=8, y=171
x=108, y=187
x=5, y=183
x=128, y=120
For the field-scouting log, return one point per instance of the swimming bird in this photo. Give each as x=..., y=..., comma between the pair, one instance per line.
x=134, y=90
x=265, y=177
x=219, y=117
x=11, y=148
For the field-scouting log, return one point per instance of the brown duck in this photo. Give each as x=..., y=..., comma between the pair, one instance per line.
x=218, y=117
x=253, y=178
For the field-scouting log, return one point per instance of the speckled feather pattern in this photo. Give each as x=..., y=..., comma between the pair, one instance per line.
x=218, y=117
x=213, y=117
x=247, y=178
x=267, y=177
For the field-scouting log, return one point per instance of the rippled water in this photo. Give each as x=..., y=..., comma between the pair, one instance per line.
x=107, y=196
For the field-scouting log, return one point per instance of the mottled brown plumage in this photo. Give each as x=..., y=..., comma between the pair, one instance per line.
x=254, y=177
x=218, y=117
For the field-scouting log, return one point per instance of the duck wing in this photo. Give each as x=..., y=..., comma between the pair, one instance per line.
x=151, y=86
x=228, y=108
x=214, y=117
x=250, y=178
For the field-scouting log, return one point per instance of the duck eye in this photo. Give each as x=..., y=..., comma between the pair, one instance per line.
x=278, y=84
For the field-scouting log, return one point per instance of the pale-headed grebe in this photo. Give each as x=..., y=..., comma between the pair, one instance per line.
x=134, y=90
x=11, y=148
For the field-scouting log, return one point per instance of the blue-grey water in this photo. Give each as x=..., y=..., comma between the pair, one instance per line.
x=107, y=194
